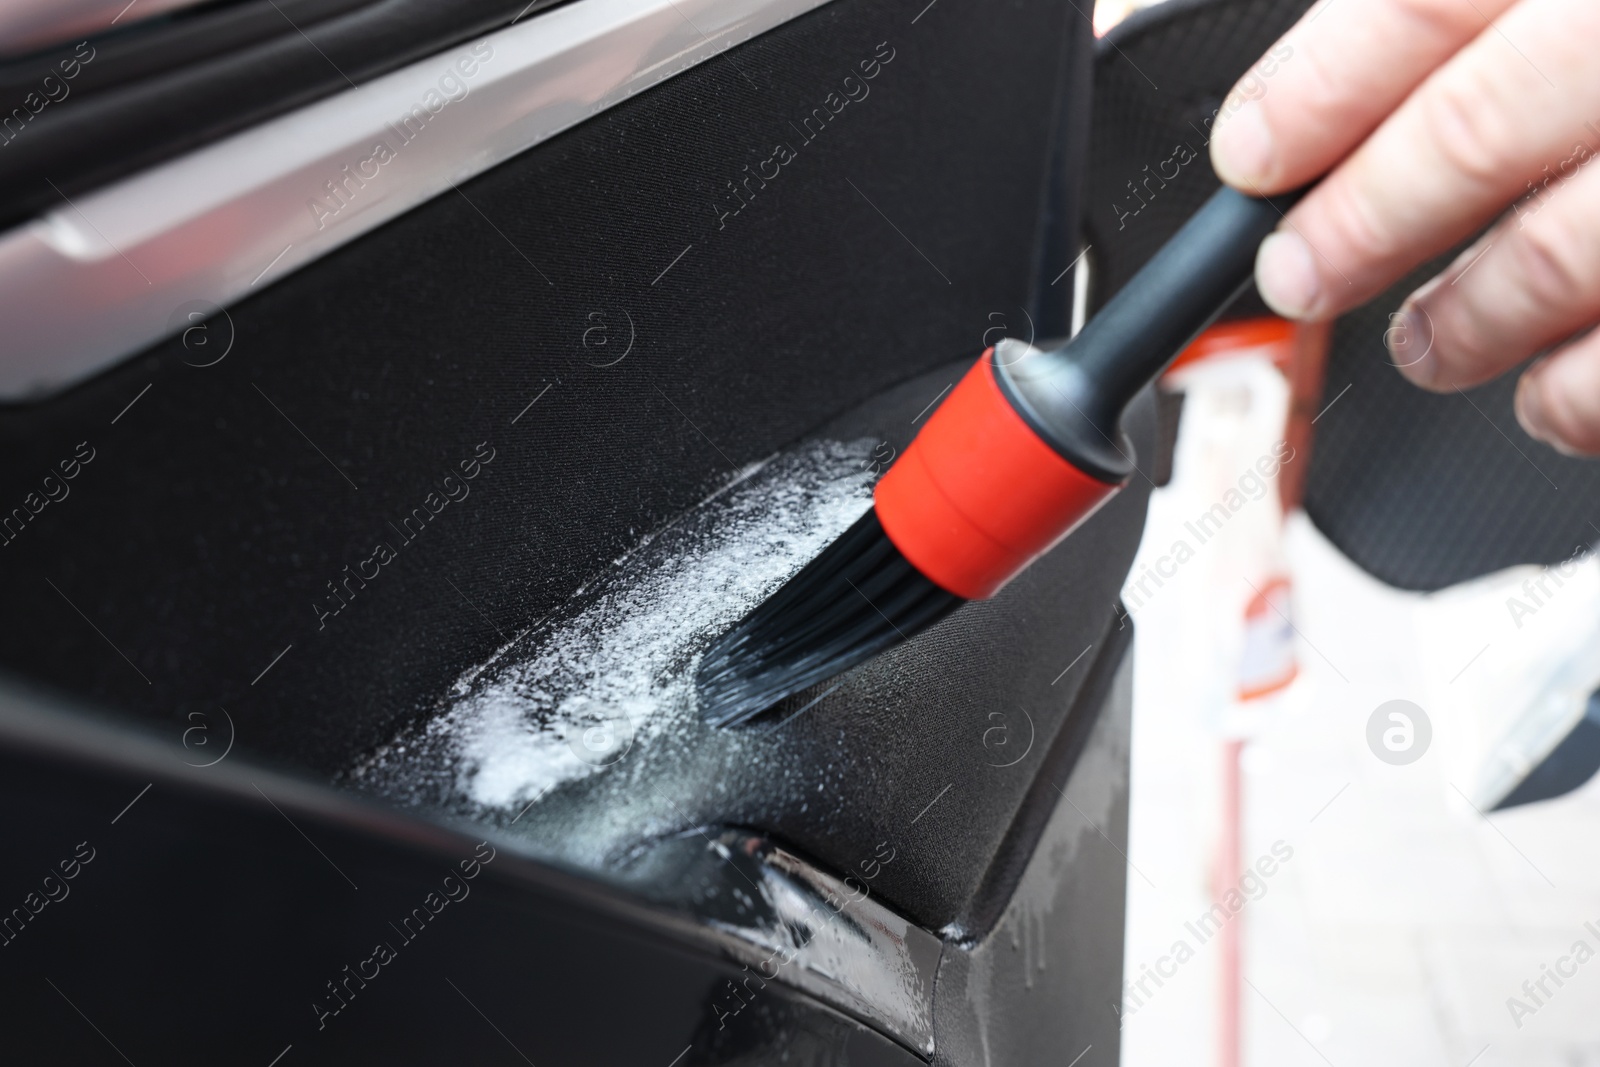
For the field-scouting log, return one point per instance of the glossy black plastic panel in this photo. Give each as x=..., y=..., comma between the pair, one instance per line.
x=161, y=910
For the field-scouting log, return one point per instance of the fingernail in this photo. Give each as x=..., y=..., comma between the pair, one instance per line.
x=1531, y=413
x=1410, y=338
x=1241, y=150
x=1287, y=275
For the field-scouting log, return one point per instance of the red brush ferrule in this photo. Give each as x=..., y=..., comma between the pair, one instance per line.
x=977, y=496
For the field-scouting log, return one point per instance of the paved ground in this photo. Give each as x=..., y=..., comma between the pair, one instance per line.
x=1398, y=921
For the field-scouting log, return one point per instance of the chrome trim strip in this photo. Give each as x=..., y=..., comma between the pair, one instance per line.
x=108, y=274
x=789, y=922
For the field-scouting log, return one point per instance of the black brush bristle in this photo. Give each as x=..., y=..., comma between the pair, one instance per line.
x=858, y=598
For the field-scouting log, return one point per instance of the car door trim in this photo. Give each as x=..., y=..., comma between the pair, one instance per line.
x=26, y=25
x=105, y=275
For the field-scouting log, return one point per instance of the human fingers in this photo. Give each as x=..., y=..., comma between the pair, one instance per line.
x=1530, y=282
x=1558, y=398
x=1321, y=90
x=1463, y=146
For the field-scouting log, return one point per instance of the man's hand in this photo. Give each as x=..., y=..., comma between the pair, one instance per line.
x=1441, y=115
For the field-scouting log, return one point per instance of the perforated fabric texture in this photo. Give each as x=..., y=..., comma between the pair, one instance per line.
x=1425, y=490
x=189, y=569
x=1160, y=79
x=1421, y=490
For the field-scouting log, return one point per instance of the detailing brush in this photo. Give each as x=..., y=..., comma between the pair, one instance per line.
x=1023, y=450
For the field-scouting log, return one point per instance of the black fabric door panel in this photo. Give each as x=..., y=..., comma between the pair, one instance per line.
x=602, y=332
x=1424, y=491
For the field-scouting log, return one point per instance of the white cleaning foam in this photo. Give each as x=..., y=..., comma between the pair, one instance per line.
x=577, y=697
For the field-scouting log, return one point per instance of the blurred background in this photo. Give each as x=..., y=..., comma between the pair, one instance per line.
x=1318, y=870
x=1359, y=815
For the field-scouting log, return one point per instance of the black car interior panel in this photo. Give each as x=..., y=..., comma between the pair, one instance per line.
x=552, y=396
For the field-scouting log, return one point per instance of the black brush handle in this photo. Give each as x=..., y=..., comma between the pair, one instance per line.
x=1073, y=396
